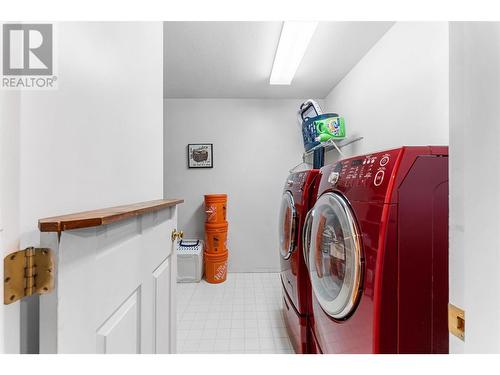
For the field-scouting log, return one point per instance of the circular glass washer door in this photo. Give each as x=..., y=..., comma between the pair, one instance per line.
x=335, y=256
x=287, y=225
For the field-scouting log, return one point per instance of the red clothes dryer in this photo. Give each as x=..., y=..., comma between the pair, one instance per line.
x=376, y=249
x=298, y=192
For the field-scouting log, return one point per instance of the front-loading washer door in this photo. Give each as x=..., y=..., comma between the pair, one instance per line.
x=334, y=255
x=287, y=225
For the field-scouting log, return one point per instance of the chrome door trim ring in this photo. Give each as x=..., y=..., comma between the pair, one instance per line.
x=294, y=227
x=351, y=296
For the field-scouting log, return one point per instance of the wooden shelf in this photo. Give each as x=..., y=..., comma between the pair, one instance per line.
x=103, y=216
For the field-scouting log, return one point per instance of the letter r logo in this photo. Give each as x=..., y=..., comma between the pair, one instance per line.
x=27, y=49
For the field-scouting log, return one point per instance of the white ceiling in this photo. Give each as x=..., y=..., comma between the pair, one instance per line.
x=234, y=59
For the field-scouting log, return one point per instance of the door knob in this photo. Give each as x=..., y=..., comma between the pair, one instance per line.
x=177, y=234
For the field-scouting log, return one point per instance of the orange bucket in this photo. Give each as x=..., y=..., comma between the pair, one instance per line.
x=215, y=208
x=216, y=237
x=215, y=267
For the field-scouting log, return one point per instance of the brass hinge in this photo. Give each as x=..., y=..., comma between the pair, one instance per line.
x=27, y=272
x=456, y=321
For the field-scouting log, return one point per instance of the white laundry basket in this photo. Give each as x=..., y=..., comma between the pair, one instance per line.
x=189, y=261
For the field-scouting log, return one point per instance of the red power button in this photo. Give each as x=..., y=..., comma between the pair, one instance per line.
x=379, y=177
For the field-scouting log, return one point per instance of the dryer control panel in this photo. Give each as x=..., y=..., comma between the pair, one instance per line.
x=367, y=170
x=367, y=178
x=363, y=177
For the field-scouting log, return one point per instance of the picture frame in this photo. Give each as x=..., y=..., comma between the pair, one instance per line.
x=200, y=155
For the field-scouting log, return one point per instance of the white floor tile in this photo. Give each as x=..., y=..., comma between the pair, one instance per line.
x=223, y=334
x=213, y=315
x=184, y=325
x=238, y=315
x=224, y=323
x=206, y=345
x=237, y=333
x=282, y=343
x=242, y=315
x=265, y=333
x=198, y=325
x=226, y=308
x=251, y=344
x=267, y=343
x=187, y=316
x=211, y=323
x=190, y=345
x=221, y=345
x=265, y=323
x=252, y=333
x=239, y=308
x=251, y=323
x=194, y=335
x=238, y=323
x=209, y=333
x=279, y=332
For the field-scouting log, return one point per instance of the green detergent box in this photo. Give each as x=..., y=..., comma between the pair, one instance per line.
x=329, y=128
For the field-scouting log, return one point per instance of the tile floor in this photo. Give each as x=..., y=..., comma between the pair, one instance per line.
x=241, y=315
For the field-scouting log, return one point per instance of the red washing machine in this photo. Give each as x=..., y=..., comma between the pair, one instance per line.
x=376, y=248
x=300, y=188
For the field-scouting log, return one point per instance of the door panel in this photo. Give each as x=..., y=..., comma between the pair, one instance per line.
x=120, y=334
x=163, y=293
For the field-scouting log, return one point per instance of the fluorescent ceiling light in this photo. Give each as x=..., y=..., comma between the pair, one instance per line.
x=294, y=39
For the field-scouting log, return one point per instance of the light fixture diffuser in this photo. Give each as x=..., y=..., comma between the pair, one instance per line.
x=294, y=39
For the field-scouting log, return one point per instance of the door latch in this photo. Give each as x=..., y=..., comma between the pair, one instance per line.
x=456, y=321
x=27, y=272
x=177, y=234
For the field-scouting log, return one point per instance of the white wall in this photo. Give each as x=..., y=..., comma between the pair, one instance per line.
x=255, y=142
x=475, y=183
x=9, y=210
x=96, y=141
x=398, y=92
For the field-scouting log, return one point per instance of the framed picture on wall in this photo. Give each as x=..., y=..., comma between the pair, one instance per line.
x=200, y=155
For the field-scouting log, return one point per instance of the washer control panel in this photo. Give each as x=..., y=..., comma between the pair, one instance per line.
x=297, y=182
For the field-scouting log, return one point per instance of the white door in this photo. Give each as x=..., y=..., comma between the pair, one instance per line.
x=114, y=288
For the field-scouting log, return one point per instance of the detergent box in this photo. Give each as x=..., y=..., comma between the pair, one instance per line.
x=322, y=128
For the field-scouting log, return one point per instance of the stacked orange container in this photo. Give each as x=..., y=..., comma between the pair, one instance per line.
x=216, y=252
